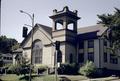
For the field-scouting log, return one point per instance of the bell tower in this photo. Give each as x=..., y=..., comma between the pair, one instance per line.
x=65, y=30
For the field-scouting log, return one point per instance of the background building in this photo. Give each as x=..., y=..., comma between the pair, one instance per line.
x=7, y=58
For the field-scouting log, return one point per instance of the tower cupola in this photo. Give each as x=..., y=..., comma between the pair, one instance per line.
x=65, y=19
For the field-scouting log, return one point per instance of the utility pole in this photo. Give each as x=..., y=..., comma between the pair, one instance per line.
x=0, y=17
x=57, y=49
x=32, y=23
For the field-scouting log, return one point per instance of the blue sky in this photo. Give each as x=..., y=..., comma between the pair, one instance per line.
x=13, y=21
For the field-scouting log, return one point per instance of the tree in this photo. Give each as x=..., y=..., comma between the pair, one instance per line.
x=7, y=45
x=24, y=65
x=112, y=21
x=1, y=60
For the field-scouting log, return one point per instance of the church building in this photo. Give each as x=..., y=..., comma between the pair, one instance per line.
x=77, y=45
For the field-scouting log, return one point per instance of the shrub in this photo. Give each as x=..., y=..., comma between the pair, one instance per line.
x=68, y=69
x=87, y=69
x=18, y=69
x=13, y=69
x=7, y=66
x=40, y=69
x=24, y=69
x=1, y=63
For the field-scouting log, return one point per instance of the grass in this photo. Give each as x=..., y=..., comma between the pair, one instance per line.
x=49, y=78
x=13, y=77
x=10, y=77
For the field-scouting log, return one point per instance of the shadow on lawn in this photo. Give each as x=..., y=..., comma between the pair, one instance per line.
x=26, y=77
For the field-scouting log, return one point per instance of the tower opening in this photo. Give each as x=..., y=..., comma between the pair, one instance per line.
x=59, y=26
x=70, y=26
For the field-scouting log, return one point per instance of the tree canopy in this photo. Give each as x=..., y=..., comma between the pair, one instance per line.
x=7, y=45
x=112, y=21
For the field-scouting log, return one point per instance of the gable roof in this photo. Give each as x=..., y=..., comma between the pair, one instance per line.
x=47, y=29
x=99, y=28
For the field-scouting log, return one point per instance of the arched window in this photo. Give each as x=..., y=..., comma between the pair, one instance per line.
x=37, y=52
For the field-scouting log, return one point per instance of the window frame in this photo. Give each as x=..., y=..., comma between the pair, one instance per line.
x=105, y=57
x=79, y=58
x=91, y=43
x=113, y=59
x=91, y=56
x=37, y=52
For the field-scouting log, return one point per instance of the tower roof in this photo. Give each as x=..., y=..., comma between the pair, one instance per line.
x=65, y=12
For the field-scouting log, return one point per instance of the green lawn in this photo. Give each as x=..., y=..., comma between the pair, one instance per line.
x=10, y=77
x=13, y=77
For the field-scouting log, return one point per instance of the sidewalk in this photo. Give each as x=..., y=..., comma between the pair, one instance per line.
x=103, y=79
x=82, y=78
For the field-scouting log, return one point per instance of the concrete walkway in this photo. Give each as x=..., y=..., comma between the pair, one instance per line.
x=81, y=78
x=103, y=79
